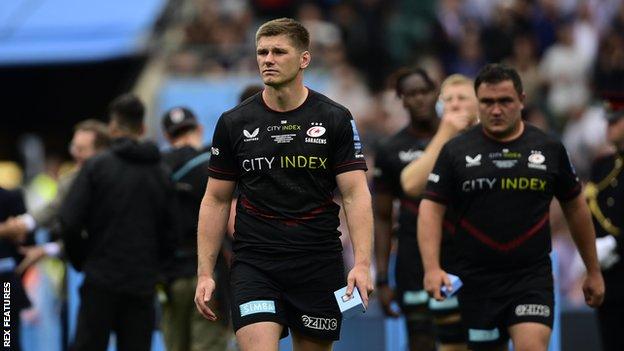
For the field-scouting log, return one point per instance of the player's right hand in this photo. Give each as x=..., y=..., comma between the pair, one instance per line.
x=386, y=296
x=203, y=294
x=594, y=289
x=457, y=120
x=434, y=280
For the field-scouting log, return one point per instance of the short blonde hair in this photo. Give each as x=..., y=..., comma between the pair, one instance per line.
x=456, y=79
x=294, y=30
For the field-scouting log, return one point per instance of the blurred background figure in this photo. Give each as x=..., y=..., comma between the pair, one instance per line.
x=90, y=138
x=123, y=199
x=605, y=195
x=183, y=327
x=11, y=205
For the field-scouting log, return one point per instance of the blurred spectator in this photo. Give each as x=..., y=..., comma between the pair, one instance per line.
x=534, y=115
x=564, y=71
x=585, y=33
x=183, y=327
x=609, y=67
x=469, y=59
x=524, y=60
x=584, y=137
x=123, y=199
x=498, y=35
x=90, y=137
x=10, y=175
x=544, y=18
x=349, y=89
x=322, y=33
x=11, y=205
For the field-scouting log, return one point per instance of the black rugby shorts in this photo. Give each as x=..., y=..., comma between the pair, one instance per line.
x=487, y=319
x=296, y=292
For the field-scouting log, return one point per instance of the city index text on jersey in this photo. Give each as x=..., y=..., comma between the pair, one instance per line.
x=506, y=183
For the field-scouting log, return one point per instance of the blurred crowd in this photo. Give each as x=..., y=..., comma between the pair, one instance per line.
x=569, y=53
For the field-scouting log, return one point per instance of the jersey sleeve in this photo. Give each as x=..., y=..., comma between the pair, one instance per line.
x=567, y=185
x=441, y=180
x=347, y=146
x=222, y=162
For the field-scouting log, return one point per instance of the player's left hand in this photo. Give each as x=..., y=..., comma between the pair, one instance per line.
x=360, y=277
x=594, y=288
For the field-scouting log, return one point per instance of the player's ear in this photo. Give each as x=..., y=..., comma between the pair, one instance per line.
x=522, y=99
x=305, y=59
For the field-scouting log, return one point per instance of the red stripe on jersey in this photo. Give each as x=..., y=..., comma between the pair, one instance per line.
x=572, y=194
x=221, y=171
x=508, y=245
x=291, y=222
x=433, y=196
x=349, y=164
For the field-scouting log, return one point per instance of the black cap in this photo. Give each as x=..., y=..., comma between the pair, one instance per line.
x=177, y=119
x=614, y=107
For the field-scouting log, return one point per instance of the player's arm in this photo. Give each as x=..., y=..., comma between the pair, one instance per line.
x=382, y=205
x=213, y=218
x=430, y=218
x=414, y=175
x=356, y=199
x=582, y=230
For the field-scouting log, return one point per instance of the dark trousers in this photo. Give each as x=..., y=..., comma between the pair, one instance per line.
x=611, y=320
x=131, y=317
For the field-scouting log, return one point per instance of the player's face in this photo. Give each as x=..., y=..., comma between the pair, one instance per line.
x=279, y=61
x=500, y=108
x=82, y=146
x=418, y=97
x=460, y=97
x=615, y=132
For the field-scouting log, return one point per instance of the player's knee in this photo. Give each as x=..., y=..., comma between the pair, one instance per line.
x=527, y=343
x=258, y=337
x=304, y=343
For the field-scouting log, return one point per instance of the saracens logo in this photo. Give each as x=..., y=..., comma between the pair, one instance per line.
x=319, y=323
x=536, y=160
x=253, y=136
x=314, y=133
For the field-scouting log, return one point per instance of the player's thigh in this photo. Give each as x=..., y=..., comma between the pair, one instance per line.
x=309, y=298
x=255, y=297
x=260, y=336
x=530, y=336
x=304, y=343
x=530, y=318
x=484, y=319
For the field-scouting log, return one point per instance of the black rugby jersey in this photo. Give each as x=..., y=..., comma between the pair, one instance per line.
x=392, y=156
x=286, y=164
x=501, y=193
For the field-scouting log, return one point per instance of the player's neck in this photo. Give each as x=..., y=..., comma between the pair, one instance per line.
x=425, y=127
x=285, y=98
x=513, y=135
